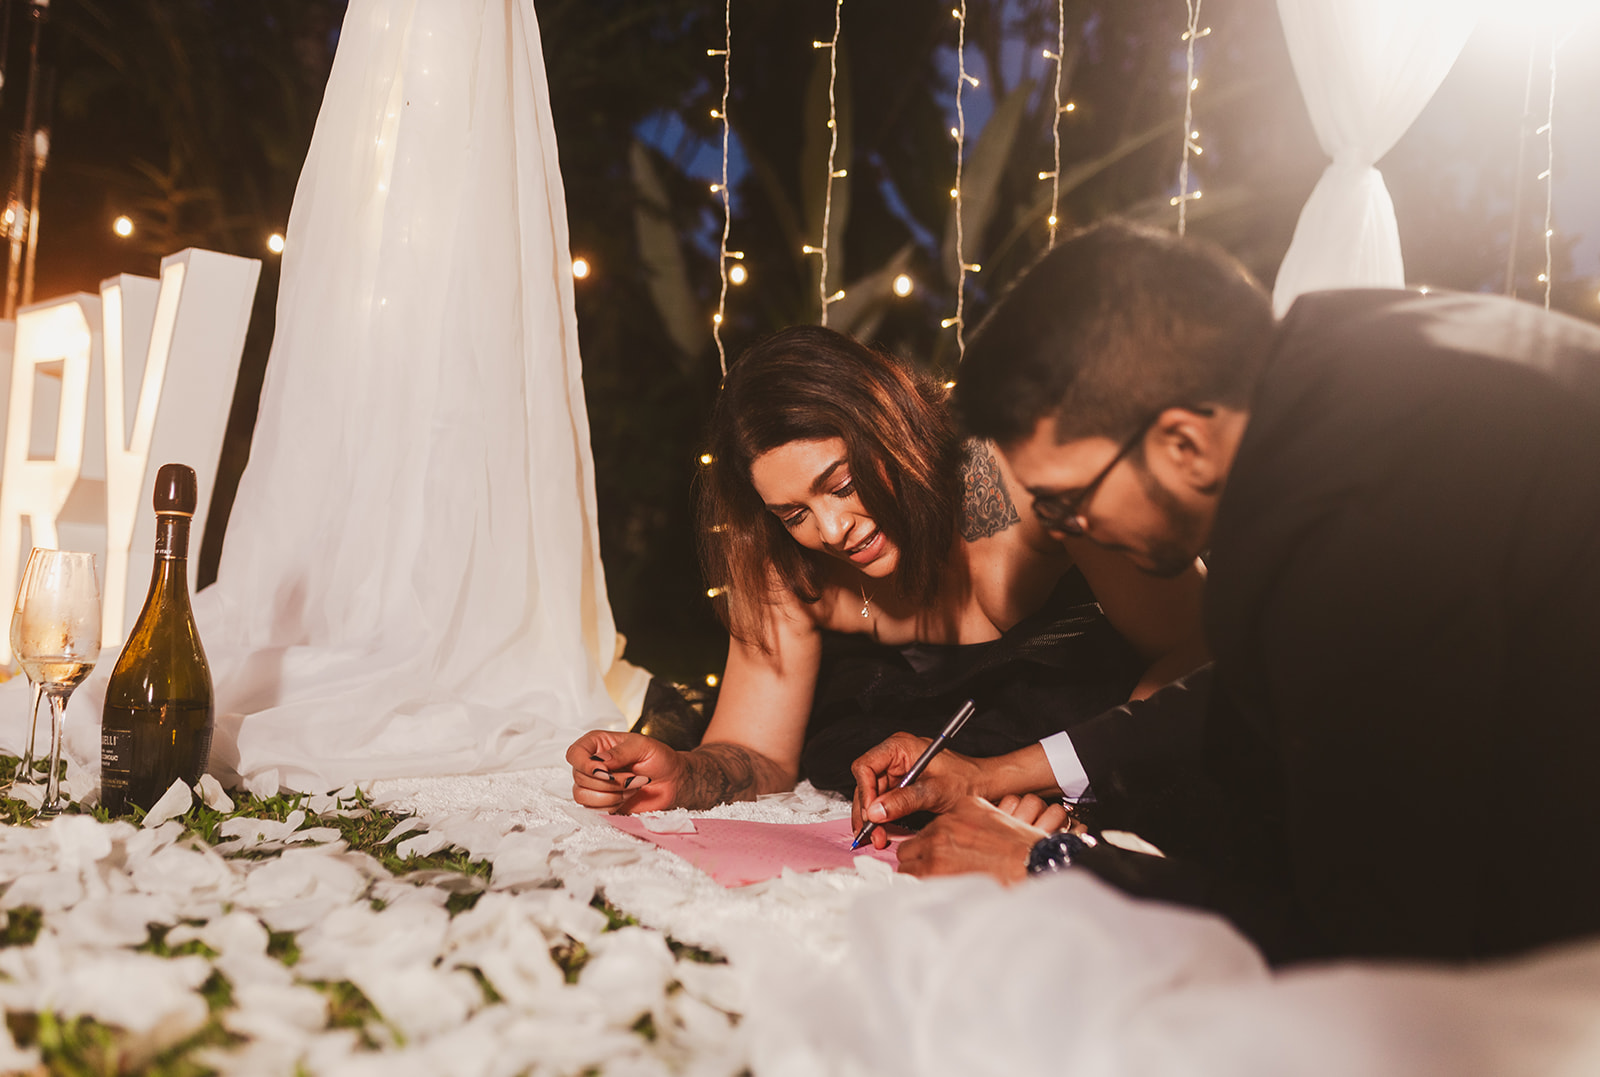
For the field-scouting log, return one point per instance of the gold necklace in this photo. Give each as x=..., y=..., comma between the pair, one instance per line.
x=866, y=603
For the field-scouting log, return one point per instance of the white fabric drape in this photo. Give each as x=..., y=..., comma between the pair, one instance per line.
x=1366, y=69
x=411, y=582
x=959, y=977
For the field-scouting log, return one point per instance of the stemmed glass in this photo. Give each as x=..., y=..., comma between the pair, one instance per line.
x=55, y=634
x=25, y=768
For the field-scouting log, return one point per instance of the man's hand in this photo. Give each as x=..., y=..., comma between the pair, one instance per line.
x=624, y=773
x=974, y=836
x=948, y=779
x=1048, y=815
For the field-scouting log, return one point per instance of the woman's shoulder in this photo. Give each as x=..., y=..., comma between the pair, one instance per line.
x=988, y=492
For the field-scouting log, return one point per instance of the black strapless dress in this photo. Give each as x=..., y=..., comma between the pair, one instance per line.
x=1061, y=665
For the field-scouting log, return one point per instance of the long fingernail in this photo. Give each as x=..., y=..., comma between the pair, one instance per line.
x=603, y=775
x=636, y=782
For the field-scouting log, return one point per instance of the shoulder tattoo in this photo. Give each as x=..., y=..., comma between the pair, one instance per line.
x=986, y=507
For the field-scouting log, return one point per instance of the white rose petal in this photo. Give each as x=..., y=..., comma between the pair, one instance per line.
x=521, y=859
x=212, y=794
x=678, y=822
x=404, y=826
x=112, y=920
x=424, y=844
x=419, y=1000
x=628, y=973
x=301, y=888
x=30, y=794
x=173, y=803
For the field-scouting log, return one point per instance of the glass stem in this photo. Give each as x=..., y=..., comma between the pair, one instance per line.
x=58, y=722
x=25, y=768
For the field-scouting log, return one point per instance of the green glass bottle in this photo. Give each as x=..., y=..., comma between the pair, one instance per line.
x=159, y=712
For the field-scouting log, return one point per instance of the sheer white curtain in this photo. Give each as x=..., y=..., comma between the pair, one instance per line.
x=411, y=582
x=1366, y=69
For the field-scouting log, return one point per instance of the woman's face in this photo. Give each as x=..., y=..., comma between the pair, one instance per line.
x=807, y=485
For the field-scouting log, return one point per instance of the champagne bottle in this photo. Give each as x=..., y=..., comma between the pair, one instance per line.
x=159, y=714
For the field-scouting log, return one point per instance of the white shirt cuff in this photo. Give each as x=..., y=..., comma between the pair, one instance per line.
x=1069, y=772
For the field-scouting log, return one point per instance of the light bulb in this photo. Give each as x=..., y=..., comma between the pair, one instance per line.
x=123, y=226
x=580, y=268
x=275, y=243
x=738, y=275
x=902, y=285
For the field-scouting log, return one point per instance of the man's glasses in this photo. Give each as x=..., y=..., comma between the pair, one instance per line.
x=1064, y=515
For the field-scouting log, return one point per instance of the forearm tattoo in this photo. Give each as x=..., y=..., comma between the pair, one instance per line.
x=718, y=773
x=986, y=507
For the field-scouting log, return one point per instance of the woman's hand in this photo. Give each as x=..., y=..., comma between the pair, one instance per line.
x=623, y=773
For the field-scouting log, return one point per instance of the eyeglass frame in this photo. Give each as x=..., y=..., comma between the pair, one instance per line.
x=1066, y=516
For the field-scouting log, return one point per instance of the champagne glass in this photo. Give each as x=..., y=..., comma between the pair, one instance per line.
x=25, y=767
x=57, y=639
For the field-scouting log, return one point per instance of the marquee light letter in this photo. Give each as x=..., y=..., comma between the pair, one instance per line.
x=38, y=489
x=201, y=310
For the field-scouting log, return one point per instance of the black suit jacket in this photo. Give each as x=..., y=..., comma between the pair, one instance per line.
x=1401, y=753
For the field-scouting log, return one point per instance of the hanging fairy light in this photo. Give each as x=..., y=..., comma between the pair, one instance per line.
x=1191, y=137
x=1054, y=175
x=721, y=189
x=825, y=299
x=1548, y=175
x=959, y=133
x=903, y=284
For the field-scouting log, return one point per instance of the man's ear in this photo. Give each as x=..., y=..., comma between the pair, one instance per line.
x=1186, y=447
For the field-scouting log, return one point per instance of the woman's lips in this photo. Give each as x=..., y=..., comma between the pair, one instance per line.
x=868, y=551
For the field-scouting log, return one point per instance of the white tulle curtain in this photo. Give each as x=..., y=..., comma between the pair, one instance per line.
x=1366, y=69
x=411, y=582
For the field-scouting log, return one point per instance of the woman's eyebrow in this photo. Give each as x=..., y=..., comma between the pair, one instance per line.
x=822, y=480
x=817, y=485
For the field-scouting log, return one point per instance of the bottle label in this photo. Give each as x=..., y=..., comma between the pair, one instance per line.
x=116, y=764
x=172, y=536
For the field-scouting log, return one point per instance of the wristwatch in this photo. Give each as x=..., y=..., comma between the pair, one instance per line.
x=1057, y=852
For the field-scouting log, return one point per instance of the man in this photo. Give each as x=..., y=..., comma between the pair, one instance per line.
x=1400, y=496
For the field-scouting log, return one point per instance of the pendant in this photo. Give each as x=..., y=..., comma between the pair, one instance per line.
x=866, y=605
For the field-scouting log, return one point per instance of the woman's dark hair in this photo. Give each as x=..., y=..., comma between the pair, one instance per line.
x=810, y=383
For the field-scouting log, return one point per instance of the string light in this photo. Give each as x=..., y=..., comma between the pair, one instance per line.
x=711, y=680
x=902, y=285
x=580, y=268
x=737, y=274
x=123, y=226
x=1549, y=133
x=714, y=592
x=1191, y=137
x=963, y=267
x=275, y=243
x=721, y=189
x=1054, y=175
x=833, y=173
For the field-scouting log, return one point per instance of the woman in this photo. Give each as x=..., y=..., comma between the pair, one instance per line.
x=871, y=569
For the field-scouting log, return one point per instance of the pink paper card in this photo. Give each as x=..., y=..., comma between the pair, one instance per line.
x=736, y=852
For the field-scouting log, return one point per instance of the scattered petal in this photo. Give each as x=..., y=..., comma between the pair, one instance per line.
x=173, y=803
x=424, y=844
x=212, y=795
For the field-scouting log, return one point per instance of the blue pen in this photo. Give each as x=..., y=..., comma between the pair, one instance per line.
x=922, y=762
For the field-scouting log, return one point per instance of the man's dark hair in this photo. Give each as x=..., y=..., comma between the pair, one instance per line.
x=1109, y=328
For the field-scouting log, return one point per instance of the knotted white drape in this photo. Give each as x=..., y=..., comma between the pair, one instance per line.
x=411, y=582
x=1366, y=69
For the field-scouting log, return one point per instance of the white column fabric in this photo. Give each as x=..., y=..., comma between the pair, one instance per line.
x=1366, y=68
x=411, y=582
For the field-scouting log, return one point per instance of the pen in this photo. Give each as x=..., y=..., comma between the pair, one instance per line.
x=922, y=762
